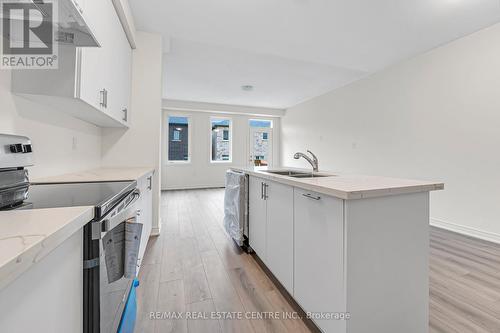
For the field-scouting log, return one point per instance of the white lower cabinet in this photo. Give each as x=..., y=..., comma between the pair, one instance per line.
x=257, y=210
x=318, y=251
x=271, y=227
x=279, y=199
x=347, y=263
x=145, y=210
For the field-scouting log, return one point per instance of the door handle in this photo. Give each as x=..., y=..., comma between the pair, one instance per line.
x=310, y=196
x=125, y=114
x=262, y=190
x=150, y=180
x=265, y=191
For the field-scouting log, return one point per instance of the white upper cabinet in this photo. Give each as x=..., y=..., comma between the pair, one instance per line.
x=105, y=73
x=92, y=84
x=121, y=55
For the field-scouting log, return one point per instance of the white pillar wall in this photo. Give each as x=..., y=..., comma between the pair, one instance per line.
x=140, y=144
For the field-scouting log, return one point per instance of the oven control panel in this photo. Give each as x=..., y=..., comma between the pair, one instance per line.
x=15, y=151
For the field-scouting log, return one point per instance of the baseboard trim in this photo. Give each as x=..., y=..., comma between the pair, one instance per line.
x=191, y=187
x=155, y=231
x=467, y=231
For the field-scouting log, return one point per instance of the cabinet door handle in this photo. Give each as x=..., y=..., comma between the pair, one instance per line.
x=125, y=114
x=105, y=98
x=262, y=190
x=265, y=191
x=102, y=98
x=310, y=196
x=150, y=180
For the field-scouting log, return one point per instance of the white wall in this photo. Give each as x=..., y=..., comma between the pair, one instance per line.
x=200, y=172
x=140, y=144
x=436, y=117
x=61, y=143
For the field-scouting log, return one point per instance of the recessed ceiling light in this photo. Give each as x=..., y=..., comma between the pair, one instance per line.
x=247, y=87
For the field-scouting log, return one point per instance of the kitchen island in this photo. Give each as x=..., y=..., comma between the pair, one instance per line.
x=351, y=250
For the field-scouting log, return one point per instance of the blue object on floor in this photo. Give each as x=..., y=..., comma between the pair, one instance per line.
x=129, y=316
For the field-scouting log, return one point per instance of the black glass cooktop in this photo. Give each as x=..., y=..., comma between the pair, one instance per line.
x=98, y=195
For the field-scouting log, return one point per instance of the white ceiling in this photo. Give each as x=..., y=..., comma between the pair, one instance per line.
x=292, y=50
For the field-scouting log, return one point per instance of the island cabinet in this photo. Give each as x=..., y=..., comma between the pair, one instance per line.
x=319, y=257
x=92, y=83
x=271, y=227
x=355, y=265
x=257, y=216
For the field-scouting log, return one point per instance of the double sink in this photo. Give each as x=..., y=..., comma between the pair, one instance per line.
x=297, y=174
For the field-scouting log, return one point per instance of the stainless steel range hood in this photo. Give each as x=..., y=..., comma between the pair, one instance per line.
x=72, y=26
x=69, y=22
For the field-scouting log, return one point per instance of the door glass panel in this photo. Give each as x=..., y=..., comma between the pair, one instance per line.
x=260, y=143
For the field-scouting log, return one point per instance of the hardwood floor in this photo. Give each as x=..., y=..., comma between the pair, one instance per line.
x=193, y=267
x=464, y=284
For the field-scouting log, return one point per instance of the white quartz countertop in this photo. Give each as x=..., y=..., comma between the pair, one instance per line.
x=27, y=236
x=348, y=186
x=98, y=175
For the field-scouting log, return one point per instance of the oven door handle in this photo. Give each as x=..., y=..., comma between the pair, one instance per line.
x=136, y=194
x=115, y=217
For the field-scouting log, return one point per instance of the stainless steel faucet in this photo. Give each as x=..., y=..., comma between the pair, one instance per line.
x=313, y=161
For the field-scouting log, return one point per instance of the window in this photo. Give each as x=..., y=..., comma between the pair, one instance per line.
x=220, y=140
x=178, y=139
x=260, y=123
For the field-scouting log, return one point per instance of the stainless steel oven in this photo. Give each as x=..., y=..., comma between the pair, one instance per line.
x=113, y=202
x=104, y=301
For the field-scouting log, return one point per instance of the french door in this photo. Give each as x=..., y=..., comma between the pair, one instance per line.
x=261, y=147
